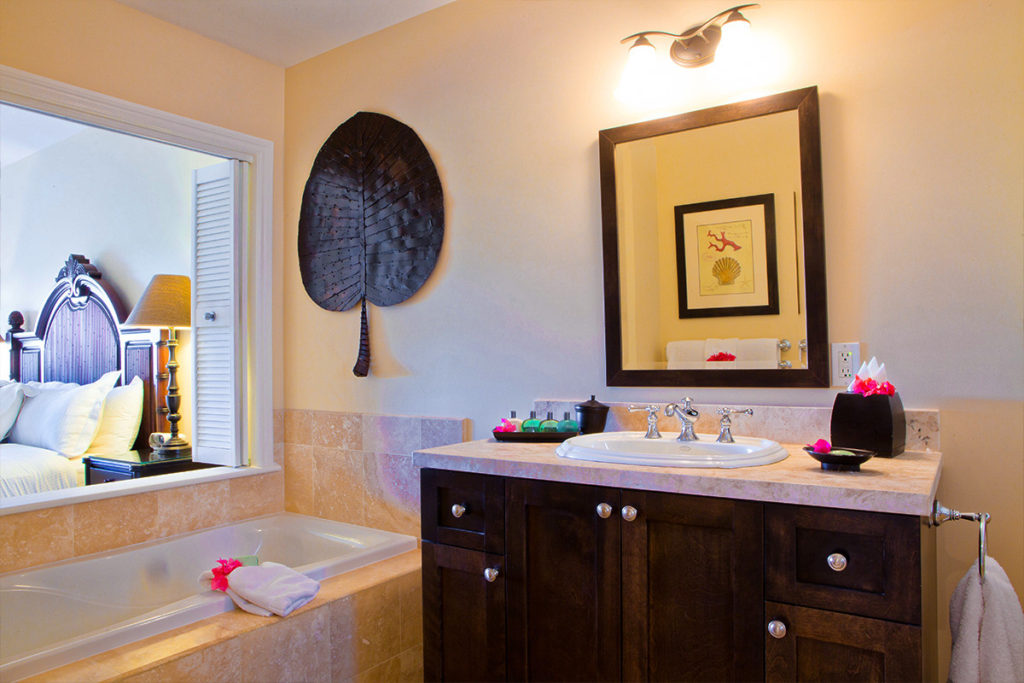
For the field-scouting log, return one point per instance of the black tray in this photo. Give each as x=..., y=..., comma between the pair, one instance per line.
x=533, y=437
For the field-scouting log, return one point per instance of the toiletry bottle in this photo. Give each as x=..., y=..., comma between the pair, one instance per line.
x=516, y=421
x=568, y=425
x=548, y=425
x=533, y=424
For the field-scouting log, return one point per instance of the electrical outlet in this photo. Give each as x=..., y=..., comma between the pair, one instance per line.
x=845, y=362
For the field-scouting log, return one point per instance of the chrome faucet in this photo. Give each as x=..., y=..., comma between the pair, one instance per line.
x=652, y=420
x=687, y=416
x=725, y=431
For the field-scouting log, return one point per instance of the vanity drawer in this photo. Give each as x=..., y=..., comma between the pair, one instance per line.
x=463, y=509
x=864, y=563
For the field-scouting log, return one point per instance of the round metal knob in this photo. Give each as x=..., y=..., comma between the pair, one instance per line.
x=604, y=510
x=629, y=513
x=490, y=574
x=458, y=510
x=776, y=629
x=210, y=315
x=836, y=562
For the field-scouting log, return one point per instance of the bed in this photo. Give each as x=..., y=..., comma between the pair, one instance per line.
x=81, y=355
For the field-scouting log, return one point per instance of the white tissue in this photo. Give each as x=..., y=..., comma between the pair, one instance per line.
x=870, y=370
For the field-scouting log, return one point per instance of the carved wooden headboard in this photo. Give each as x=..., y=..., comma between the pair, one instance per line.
x=79, y=337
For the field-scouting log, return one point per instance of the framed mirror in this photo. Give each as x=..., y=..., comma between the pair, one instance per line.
x=714, y=252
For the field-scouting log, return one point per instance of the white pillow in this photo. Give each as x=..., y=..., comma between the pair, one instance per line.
x=63, y=419
x=122, y=415
x=11, y=396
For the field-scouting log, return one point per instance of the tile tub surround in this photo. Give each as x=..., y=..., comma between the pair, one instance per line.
x=357, y=467
x=785, y=424
x=65, y=531
x=363, y=625
x=901, y=485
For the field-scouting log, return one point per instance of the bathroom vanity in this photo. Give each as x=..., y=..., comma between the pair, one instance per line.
x=541, y=568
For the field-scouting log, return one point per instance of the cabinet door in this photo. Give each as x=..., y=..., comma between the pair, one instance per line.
x=692, y=589
x=563, y=582
x=463, y=615
x=829, y=646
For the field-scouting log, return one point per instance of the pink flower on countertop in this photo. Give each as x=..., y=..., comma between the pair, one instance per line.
x=721, y=356
x=505, y=426
x=220, y=574
x=886, y=389
x=820, y=446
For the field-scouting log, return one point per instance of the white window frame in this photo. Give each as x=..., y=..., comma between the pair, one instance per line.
x=256, y=436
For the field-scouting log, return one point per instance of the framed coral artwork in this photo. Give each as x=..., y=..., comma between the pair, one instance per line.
x=725, y=257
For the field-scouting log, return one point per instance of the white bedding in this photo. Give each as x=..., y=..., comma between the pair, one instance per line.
x=27, y=469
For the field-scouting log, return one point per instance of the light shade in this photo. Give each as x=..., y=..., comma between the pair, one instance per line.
x=640, y=76
x=167, y=302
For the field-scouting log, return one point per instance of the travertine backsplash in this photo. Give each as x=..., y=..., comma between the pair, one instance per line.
x=785, y=424
x=357, y=467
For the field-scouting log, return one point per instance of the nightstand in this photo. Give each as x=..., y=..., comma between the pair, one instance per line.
x=144, y=463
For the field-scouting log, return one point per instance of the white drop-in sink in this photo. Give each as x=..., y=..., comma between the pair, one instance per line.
x=631, y=448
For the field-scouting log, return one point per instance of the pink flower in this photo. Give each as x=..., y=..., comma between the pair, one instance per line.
x=886, y=389
x=820, y=446
x=505, y=426
x=866, y=387
x=220, y=574
x=722, y=355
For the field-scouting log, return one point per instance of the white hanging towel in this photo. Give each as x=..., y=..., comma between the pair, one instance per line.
x=987, y=627
x=685, y=354
x=759, y=353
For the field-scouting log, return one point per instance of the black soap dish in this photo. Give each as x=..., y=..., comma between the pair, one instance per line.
x=841, y=459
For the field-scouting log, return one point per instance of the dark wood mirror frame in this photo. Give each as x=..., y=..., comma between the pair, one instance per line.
x=805, y=102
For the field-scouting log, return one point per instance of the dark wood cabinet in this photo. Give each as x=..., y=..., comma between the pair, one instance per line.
x=563, y=582
x=692, y=588
x=815, y=645
x=528, y=580
x=463, y=614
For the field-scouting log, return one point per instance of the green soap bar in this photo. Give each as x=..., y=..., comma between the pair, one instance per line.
x=839, y=451
x=248, y=560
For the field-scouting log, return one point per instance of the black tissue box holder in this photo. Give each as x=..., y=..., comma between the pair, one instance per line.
x=875, y=423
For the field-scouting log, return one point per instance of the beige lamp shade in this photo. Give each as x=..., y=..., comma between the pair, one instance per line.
x=167, y=302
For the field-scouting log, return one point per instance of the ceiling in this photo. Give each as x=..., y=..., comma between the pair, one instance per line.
x=284, y=32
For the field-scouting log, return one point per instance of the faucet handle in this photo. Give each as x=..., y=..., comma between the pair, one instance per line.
x=651, y=409
x=652, y=419
x=725, y=433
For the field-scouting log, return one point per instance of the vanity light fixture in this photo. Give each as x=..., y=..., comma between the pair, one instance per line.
x=694, y=47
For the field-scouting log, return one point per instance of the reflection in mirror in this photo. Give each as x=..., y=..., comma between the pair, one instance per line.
x=124, y=202
x=713, y=243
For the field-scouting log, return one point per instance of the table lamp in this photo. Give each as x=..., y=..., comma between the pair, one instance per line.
x=167, y=303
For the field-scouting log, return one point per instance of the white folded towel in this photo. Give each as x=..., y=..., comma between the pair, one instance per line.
x=728, y=345
x=269, y=588
x=987, y=627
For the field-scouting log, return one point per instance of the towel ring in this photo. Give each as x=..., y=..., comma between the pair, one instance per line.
x=941, y=513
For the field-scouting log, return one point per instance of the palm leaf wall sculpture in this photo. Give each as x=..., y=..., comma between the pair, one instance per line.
x=372, y=219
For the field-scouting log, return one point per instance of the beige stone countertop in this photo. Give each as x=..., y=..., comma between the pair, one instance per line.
x=905, y=484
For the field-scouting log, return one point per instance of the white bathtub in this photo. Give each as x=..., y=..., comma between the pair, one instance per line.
x=65, y=611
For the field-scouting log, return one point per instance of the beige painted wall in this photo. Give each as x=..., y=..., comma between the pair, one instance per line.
x=923, y=157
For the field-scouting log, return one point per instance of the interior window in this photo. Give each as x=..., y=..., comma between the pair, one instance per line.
x=128, y=203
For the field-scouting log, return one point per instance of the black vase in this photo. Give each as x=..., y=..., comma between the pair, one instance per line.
x=875, y=423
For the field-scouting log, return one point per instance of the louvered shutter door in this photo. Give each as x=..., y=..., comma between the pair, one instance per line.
x=217, y=214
